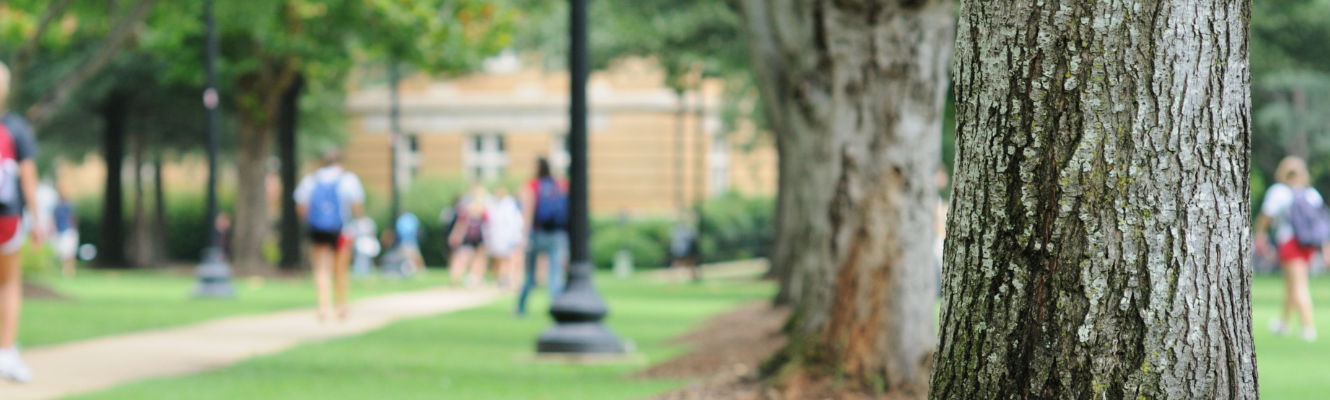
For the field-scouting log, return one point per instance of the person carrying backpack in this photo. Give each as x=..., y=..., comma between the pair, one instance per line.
x=1302, y=225
x=328, y=200
x=18, y=190
x=547, y=227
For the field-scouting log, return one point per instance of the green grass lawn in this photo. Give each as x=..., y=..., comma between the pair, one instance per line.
x=109, y=302
x=483, y=353
x=1288, y=367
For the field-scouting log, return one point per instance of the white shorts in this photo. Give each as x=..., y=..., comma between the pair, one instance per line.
x=67, y=244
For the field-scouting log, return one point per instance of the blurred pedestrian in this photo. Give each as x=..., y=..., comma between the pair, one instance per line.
x=66, y=233
x=547, y=224
x=1289, y=206
x=18, y=189
x=328, y=200
x=408, y=242
x=503, y=235
x=467, y=266
x=683, y=246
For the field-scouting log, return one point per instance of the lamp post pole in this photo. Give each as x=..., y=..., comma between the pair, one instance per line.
x=578, y=311
x=214, y=272
x=395, y=116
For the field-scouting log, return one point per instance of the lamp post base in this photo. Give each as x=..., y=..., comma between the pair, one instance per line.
x=214, y=275
x=577, y=313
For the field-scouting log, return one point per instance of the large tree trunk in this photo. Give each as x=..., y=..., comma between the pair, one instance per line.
x=858, y=87
x=288, y=125
x=251, y=206
x=115, y=115
x=260, y=96
x=1098, y=235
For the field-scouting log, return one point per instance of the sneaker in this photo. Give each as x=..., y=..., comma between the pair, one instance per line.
x=1279, y=327
x=13, y=368
x=1309, y=334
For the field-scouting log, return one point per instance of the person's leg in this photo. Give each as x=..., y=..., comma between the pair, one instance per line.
x=529, y=281
x=558, y=255
x=321, y=260
x=341, y=277
x=457, y=265
x=11, y=298
x=479, y=266
x=1285, y=270
x=1298, y=293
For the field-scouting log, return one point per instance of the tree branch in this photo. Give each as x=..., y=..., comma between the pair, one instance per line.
x=54, y=100
x=24, y=56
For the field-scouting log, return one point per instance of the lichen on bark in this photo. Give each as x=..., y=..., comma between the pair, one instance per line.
x=1098, y=231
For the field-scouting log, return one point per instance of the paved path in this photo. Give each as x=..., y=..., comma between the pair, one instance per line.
x=97, y=364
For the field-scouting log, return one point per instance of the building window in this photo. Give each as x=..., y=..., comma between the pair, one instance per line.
x=559, y=157
x=413, y=155
x=486, y=157
x=719, y=175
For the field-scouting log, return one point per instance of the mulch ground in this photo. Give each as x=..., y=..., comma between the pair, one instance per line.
x=727, y=352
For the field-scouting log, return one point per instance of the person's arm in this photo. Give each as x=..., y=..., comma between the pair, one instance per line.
x=27, y=174
x=528, y=201
x=1262, y=226
x=455, y=238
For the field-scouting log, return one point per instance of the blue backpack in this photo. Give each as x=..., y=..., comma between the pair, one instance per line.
x=1311, y=223
x=551, y=206
x=325, y=207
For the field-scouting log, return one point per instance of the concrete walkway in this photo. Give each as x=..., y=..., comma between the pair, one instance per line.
x=102, y=363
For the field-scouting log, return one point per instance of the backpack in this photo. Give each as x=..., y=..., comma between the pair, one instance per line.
x=325, y=207
x=1311, y=223
x=551, y=206
x=9, y=186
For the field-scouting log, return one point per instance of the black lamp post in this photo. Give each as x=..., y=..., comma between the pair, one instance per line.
x=214, y=272
x=578, y=311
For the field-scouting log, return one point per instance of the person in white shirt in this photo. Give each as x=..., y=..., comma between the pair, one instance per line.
x=503, y=232
x=328, y=200
x=1294, y=258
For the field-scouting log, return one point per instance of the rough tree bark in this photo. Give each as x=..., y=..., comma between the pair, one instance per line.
x=857, y=90
x=260, y=96
x=1098, y=235
x=141, y=239
x=115, y=115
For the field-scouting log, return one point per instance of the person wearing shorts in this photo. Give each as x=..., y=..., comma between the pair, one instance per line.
x=330, y=252
x=22, y=149
x=1294, y=258
x=66, y=234
x=504, y=227
x=467, y=266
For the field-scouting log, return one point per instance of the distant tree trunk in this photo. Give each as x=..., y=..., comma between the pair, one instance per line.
x=141, y=250
x=1099, y=239
x=291, y=249
x=260, y=96
x=161, y=234
x=111, y=249
x=858, y=87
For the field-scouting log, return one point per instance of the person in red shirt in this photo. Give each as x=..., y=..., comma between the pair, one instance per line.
x=18, y=189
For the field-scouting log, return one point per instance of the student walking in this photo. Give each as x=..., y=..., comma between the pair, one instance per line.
x=467, y=239
x=18, y=189
x=1295, y=210
x=327, y=200
x=66, y=234
x=407, y=235
x=547, y=224
x=504, y=228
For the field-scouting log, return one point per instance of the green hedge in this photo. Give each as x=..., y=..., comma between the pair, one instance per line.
x=733, y=227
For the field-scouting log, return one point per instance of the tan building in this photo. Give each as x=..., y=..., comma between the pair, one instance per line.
x=644, y=157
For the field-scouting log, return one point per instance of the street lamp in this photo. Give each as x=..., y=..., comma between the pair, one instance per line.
x=578, y=311
x=214, y=272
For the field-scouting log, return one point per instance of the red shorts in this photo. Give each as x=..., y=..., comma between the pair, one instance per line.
x=1292, y=251
x=11, y=234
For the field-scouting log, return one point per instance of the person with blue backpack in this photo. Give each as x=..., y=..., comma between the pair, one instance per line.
x=1302, y=227
x=547, y=227
x=328, y=200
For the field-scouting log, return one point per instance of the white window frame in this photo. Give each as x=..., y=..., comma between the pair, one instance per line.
x=490, y=161
x=559, y=157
